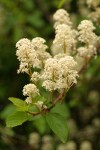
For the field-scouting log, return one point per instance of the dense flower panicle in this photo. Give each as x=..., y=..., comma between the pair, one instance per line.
x=65, y=40
x=61, y=17
x=59, y=73
x=86, y=25
x=30, y=90
x=33, y=59
x=86, y=145
x=38, y=44
x=23, y=44
x=28, y=100
x=95, y=15
x=93, y=3
x=23, y=49
x=35, y=77
x=67, y=62
x=31, y=53
x=50, y=68
x=34, y=140
x=26, y=55
x=49, y=85
x=87, y=52
x=23, y=67
x=86, y=34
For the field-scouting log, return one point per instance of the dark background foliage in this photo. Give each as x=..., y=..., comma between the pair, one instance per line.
x=31, y=18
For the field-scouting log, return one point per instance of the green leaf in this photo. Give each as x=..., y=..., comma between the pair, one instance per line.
x=40, y=125
x=8, y=110
x=40, y=98
x=58, y=124
x=17, y=102
x=22, y=106
x=16, y=119
x=61, y=109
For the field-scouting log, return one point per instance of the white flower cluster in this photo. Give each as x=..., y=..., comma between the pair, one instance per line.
x=87, y=52
x=38, y=44
x=65, y=40
x=31, y=53
x=61, y=17
x=88, y=37
x=86, y=34
x=66, y=37
x=59, y=73
x=93, y=10
x=95, y=16
x=31, y=91
x=35, y=77
x=93, y=3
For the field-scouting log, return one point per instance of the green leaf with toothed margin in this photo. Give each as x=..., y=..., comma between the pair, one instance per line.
x=58, y=124
x=20, y=104
x=16, y=119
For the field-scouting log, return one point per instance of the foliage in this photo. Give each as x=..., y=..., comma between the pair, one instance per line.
x=29, y=19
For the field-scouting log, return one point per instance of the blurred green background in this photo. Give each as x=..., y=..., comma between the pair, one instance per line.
x=31, y=18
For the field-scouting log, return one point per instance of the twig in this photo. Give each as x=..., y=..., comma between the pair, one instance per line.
x=34, y=113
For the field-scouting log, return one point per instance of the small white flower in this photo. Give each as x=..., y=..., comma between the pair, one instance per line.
x=86, y=25
x=31, y=54
x=35, y=77
x=28, y=100
x=38, y=44
x=93, y=3
x=59, y=73
x=86, y=34
x=95, y=15
x=23, y=44
x=65, y=40
x=34, y=139
x=61, y=16
x=30, y=90
x=87, y=52
x=49, y=85
x=40, y=105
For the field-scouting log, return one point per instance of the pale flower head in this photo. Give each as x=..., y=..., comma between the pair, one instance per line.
x=30, y=90
x=86, y=145
x=87, y=52
x=23, y=44
x=95, y=16
x=61, y=16
x=38, y=44
x=50, y=68
x=28, y=100
x=23, y=67
x=93, y=3
x=27, y=56
x=35, y=76
x=71, y=145
x=23, y=49
x=49, y=85
x=86, y=34
x=65, y=40
x=59, y=73
x=31, y=54
x=34, y=139
x=86, y=25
